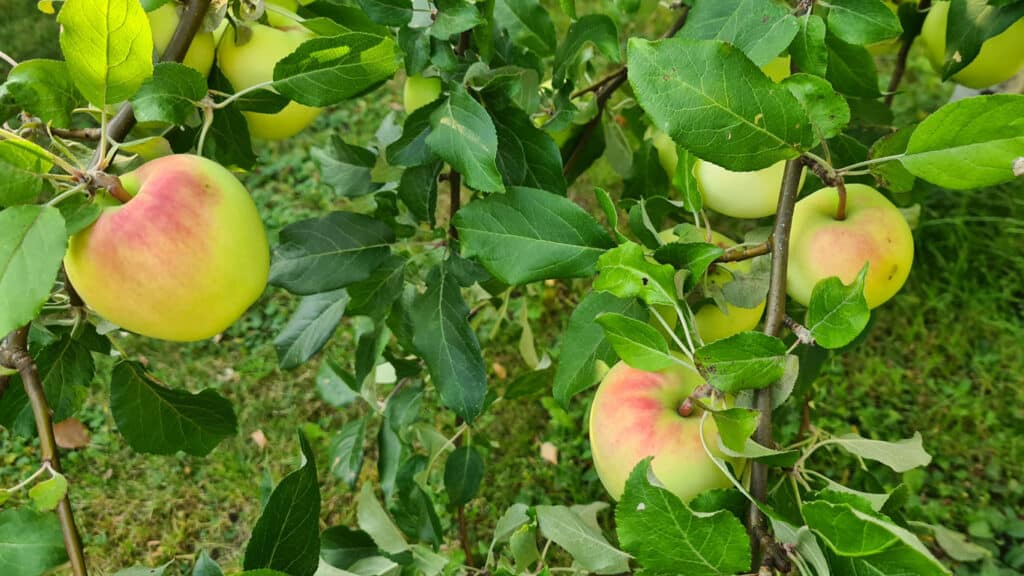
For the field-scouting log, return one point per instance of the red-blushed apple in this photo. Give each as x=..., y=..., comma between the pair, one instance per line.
x=874, y=232
x=253, y=63
x=162, y=23
x=1000, y=57
x=637, y=414
x=181, y=260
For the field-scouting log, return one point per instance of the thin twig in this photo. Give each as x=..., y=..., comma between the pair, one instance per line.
x=901, y=67
x=776, y=313
x=16, y=356
x=3, y=56
x=746, y=252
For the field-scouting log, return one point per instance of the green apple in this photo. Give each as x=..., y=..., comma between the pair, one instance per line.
x=778, y=69
x=740, y=194
x=253, y=63
x=874, y=231
x=278, y=20
x=419, y=91
x=162, y=23
x=181, y=260
x=636, y=414
x=1000, y=58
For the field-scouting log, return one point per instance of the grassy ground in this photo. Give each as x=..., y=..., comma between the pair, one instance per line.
x=942, y=358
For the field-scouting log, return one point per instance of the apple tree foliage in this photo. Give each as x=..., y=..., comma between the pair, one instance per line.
x=526, y=108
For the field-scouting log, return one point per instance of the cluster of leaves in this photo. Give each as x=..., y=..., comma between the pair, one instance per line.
x=513, y=126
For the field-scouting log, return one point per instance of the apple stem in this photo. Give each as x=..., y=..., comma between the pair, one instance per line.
x=841, y=206
x=109, y=182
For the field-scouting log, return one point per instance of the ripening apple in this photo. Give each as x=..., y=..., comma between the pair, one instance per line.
x=419, y=91
x=253, y=63
x=162, y=23
x=637, y=414
x=874, y=231
x=752, y=194
x=1000, y=57
x=181, y=260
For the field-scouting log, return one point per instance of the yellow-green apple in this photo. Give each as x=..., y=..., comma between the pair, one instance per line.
x=162, y=23
x=778, y=69
x=278, y=19
x=752, y=194
x=253, y=63
x=637, y=414
x=873, y=232
x=1000, y=58
x=419, y=91
x=181, y=260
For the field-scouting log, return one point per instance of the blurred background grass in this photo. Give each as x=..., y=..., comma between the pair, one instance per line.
x=943, y=358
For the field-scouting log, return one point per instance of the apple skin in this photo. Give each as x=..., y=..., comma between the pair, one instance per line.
x=280, y=20
x=874, y=231
x=181, y=260
x=419, y=91
x=1000, y=57
x=162, y=23
x=778, y=69
x=752, y=194
x=253, y=63
x=635, y=415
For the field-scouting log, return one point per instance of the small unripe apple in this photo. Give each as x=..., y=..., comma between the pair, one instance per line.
x=162, y=23
x=419, y=91
x=752, y=194
x=1000, y=57
x=637, y=414
x=181, y=260
x=253, y=63
x=874, y=231
x=278, y=20
x=778, y=69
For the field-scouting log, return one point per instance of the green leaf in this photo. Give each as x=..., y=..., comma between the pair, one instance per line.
x=751, y=450
x=66, y=369
x=445, y=339
x=329, y=252
x=158, y=420
x=411, y=148
x=587, y=546
x=373, y=297
x=527, y=156
x=32, y=244
x=956, y=544
x=747, y=121
x=685, y=182
x=583, y=343
x=610, y=212
x=827, y=111
x=310, y=327
x=30, y=542
x=528, y=23
x=760, y=29
x=838, y=313
x=108, y=47
x=21, y=165
x=169, y=95
x=970, y=143
x=324, y=71
x=48, y=493
x=745, y=361
x=388, y=12
x=454, y=17
x=735, y=425
x=862, y=21
x=528, y=235
x=626, y=273
x=346, y=168
x=145, y=571
x=808, y=49
x=206, y=566
x=851, y=69
x=262, y=101
x=667, y=538
x=463, y=473
x=228, y=141
x=418, y=190
x=463, y=135
x=597, y=29
x=79, y=212
x=374, y=520
x=901, y=456
x=347, y=451
x=892, y=175
x=341, y=546
x=638, y=343
x=287, y=535
x=695, y=257
x=333, y=385
x=969, y=23
x=45, y=89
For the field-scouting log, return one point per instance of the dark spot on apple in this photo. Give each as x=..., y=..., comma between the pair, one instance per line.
x=645, y=280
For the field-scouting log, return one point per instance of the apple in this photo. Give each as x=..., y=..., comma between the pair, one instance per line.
x=778, y=69
x=278, y=20
x=162, y=23
x=253, y=63
x=181, y=260
x=637, y=414
x=420, y=91
x=1000, y=58
x=874, y=231
x=752, y=194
